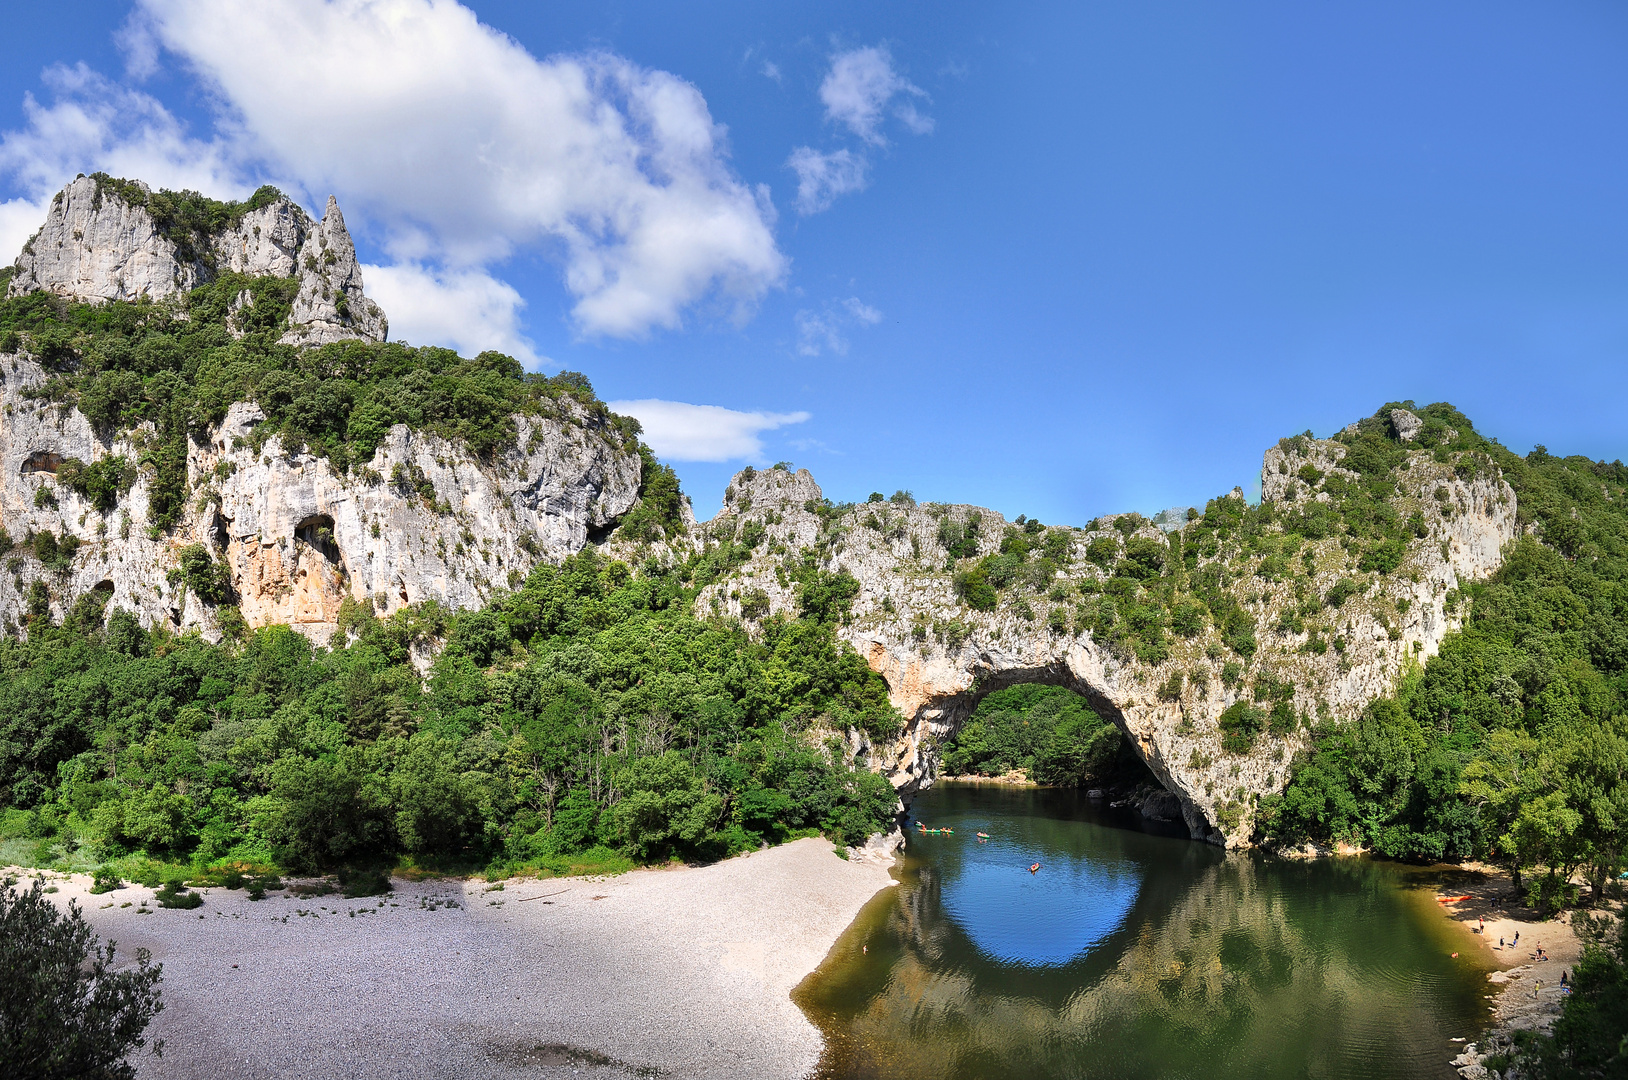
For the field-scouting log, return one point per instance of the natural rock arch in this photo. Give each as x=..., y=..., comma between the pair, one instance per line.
x=955, y=709
x=938, y=652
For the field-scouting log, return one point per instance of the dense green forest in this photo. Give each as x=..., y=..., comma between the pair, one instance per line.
x=1512, y=743
x=588, y=712
x=1048, y=732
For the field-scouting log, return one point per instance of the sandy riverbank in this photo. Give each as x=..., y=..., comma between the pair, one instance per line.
x=1526, y=989
x=686, y=971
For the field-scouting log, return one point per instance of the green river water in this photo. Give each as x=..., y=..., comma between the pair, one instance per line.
x=1136, y=953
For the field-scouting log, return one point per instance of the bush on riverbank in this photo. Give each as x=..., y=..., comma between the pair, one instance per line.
x=64, y=1010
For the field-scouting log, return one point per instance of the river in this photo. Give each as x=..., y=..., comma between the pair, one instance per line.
x=1135, y=952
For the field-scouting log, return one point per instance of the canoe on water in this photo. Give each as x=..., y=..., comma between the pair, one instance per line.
x=1450, y=899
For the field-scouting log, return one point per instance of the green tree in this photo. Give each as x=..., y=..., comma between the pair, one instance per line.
x=64, y=1010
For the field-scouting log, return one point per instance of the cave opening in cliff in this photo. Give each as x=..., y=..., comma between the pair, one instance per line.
x=1045, y=733
x=317, y=531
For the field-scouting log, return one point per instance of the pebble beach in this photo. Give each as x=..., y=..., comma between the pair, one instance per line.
x=683, y=972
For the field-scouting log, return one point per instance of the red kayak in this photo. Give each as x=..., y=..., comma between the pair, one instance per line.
x=1450, y=899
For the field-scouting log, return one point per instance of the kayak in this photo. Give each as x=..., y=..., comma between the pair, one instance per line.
x=1450, y=899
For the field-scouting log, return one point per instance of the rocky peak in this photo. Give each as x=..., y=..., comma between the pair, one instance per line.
x=770, y=489
x=1407, y=424
x=102, y=241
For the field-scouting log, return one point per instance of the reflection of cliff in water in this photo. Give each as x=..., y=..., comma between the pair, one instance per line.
x=1224, y=965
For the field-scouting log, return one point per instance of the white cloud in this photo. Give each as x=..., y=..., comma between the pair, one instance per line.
x=456, y=144
x=19, y=219
x=858, y=88
x=678, y=431
x=821, y=178
x=818, y=331
x=771, y=70
x=94, y=123
x=467, y=310
x=862, y=312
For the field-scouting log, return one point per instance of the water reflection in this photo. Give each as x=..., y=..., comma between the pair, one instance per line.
x=1133, y=955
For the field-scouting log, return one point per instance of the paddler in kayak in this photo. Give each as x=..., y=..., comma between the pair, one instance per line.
x=1034, y=868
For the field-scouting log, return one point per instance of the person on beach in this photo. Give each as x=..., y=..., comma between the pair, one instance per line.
x=1500, y=943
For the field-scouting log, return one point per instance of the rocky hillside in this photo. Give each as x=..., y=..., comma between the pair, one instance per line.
x=125, y=477
x=1213, y=645
x=109, y=239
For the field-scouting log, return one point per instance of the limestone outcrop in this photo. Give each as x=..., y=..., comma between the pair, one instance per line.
x=940, y=656
x=101, y=242
x=424, y=520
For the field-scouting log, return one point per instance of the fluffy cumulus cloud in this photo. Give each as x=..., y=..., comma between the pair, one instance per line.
x=821, y=178
x=860, y=86
x=468, y=310
x=680, y=431
x=89, y=122
x=826, y=330
x=446, y=136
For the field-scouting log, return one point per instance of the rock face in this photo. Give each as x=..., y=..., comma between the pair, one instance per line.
x=940, y=656
x=297, y=537
x=99, y=244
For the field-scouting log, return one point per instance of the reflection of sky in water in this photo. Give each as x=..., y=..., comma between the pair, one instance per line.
x=1044, y=919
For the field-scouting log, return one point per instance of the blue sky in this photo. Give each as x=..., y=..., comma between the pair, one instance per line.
x=1066, y=259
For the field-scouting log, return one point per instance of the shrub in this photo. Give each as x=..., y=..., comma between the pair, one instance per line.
x=1342, y=590
x=211, y=581
x=176, y=895
x=1187, y=618
x=356, y=883
x=105, y=881
x=1239, y=725
x=64, y=1011
x=1103, y=551
x=102, y=482
x=973, y=587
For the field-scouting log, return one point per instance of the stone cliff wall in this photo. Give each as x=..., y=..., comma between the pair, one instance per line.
x=939, y=656
x=297, y=536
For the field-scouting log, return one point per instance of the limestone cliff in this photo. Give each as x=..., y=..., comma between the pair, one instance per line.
x=424, y=520
x=940, y=655
x=101, y=241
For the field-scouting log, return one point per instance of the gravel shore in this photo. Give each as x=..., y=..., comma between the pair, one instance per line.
x=685, y=973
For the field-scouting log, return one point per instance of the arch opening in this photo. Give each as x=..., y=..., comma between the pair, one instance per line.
x=1136, y=777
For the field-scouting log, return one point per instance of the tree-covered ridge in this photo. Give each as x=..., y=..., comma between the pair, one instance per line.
x=180, y=367
x=1512, y=743
x=588, y=712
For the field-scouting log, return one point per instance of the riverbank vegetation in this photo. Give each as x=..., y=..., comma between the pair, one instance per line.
x=586, y=720
x=1511, y=745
